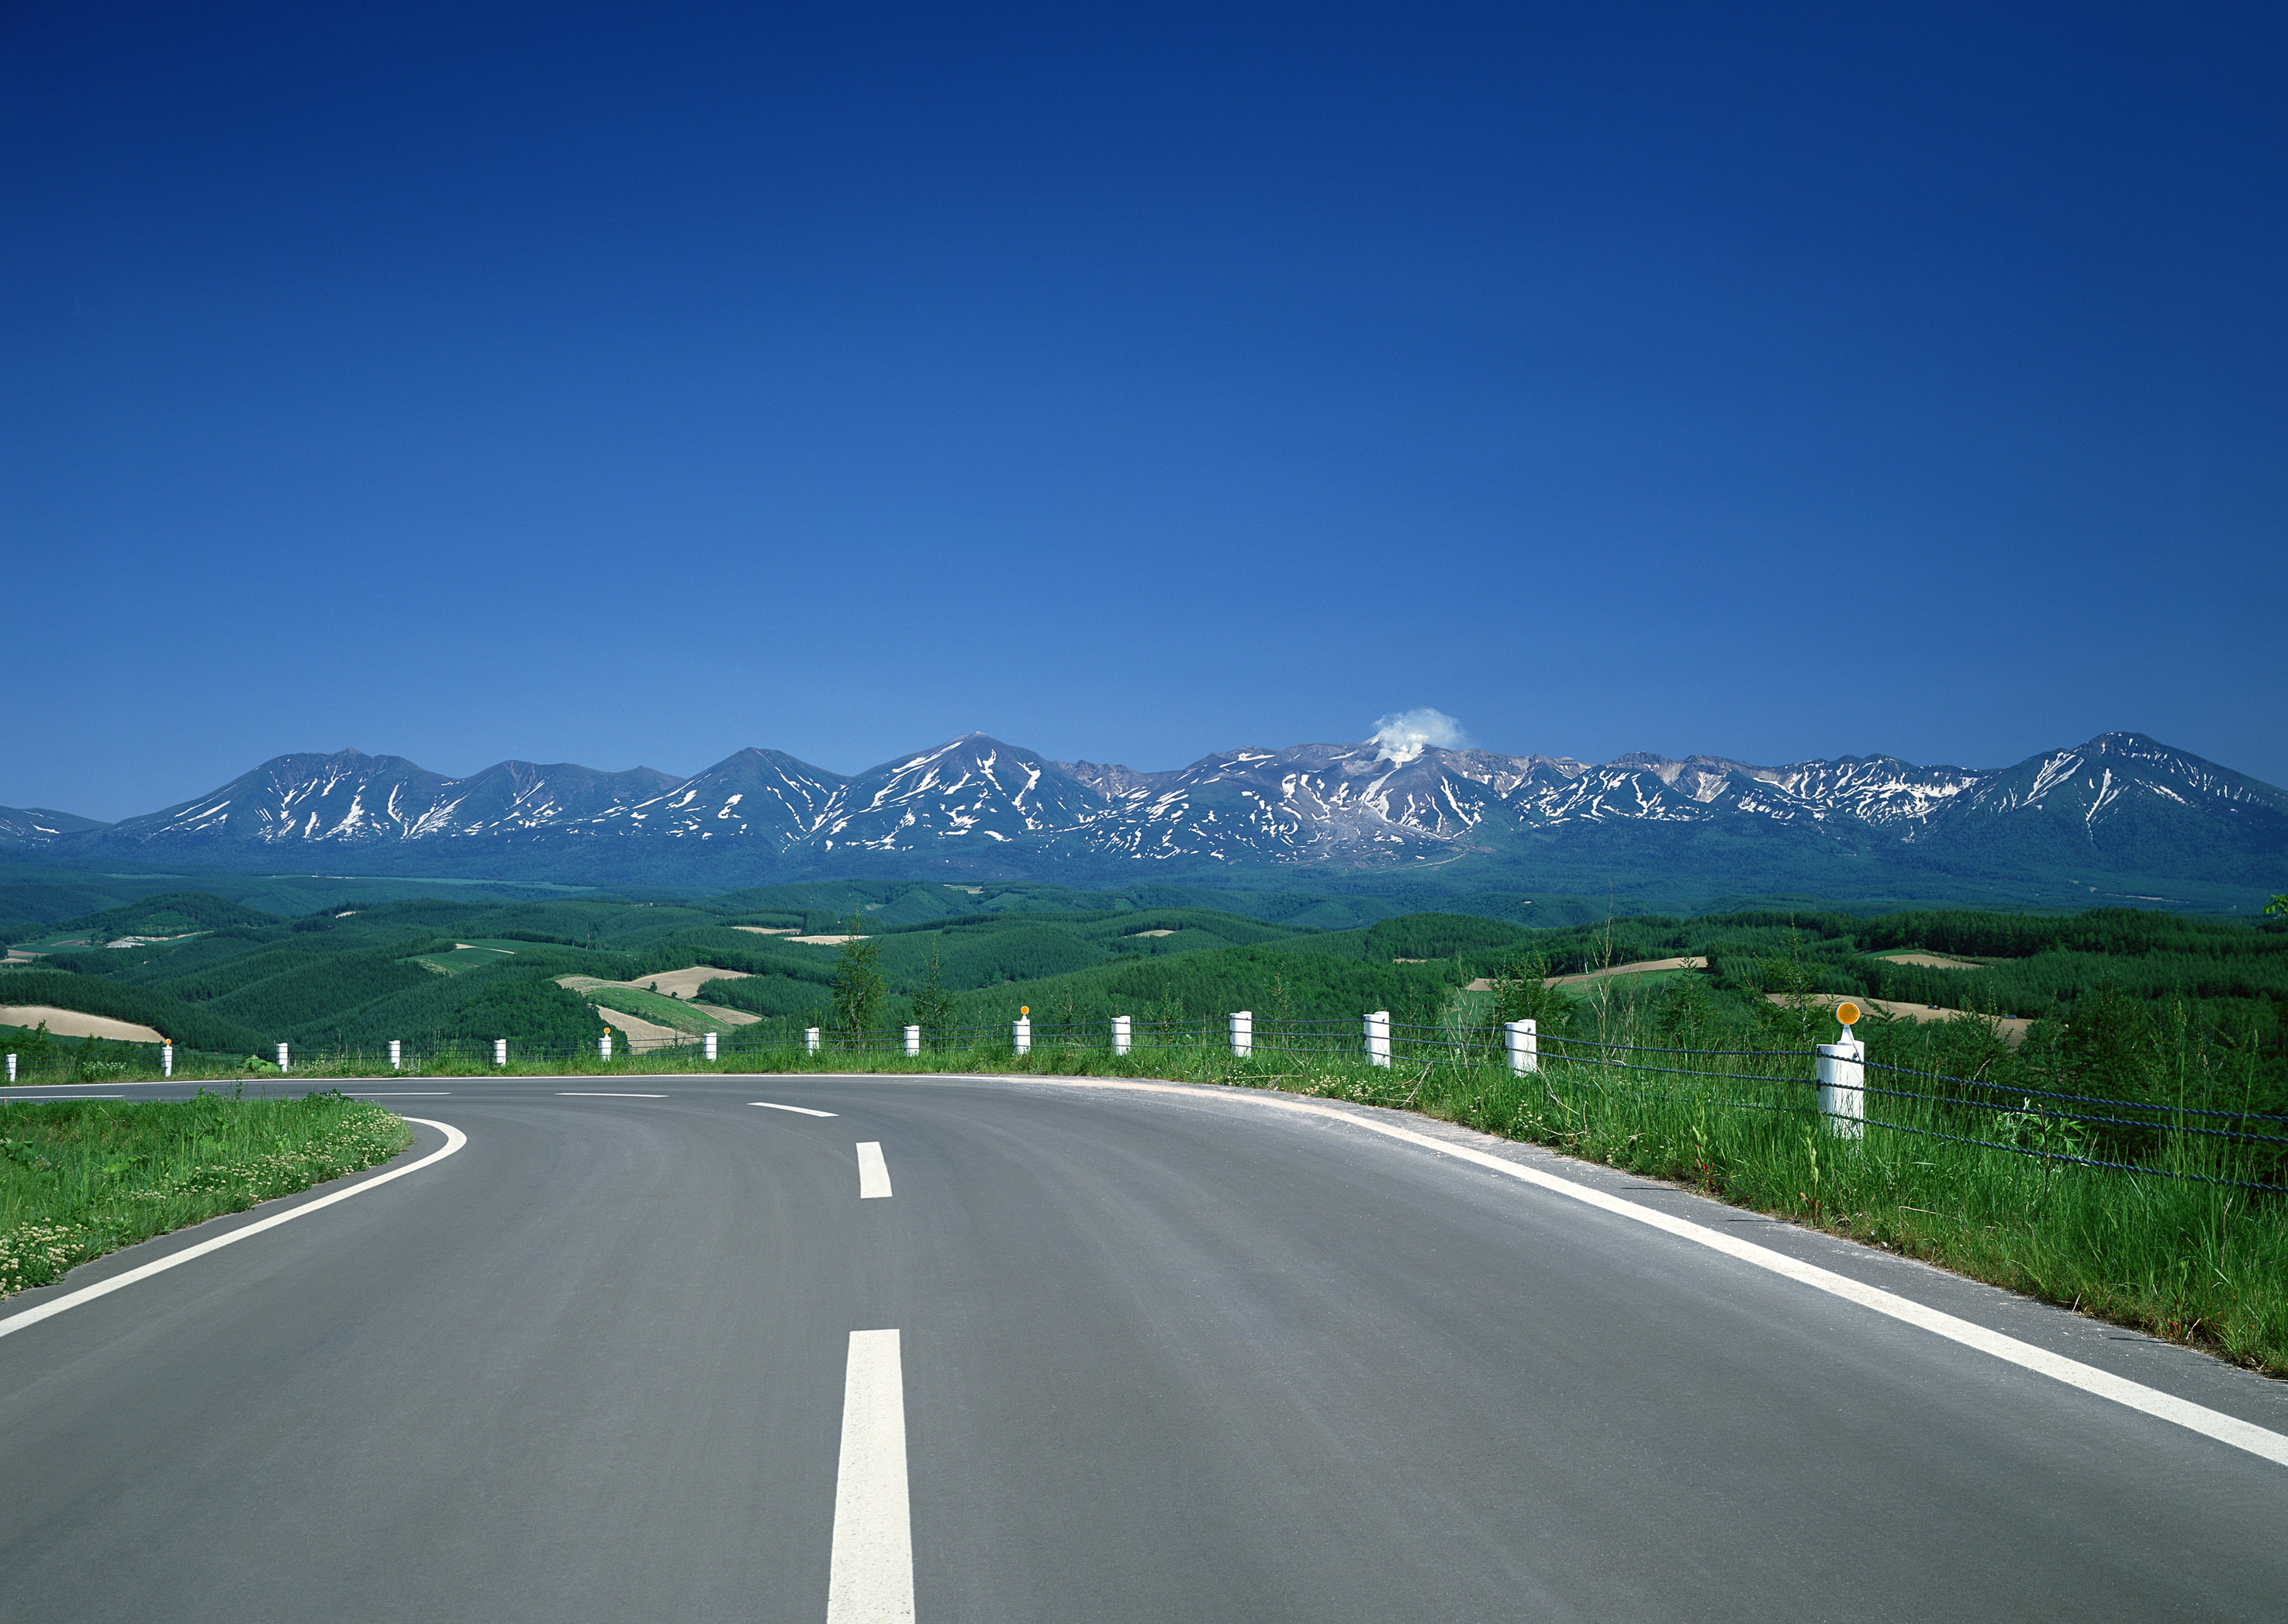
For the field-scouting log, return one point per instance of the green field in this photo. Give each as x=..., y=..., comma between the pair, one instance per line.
x=657, y=1009
x=470, y=955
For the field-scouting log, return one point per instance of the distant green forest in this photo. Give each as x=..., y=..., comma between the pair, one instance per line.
x=2107, y=991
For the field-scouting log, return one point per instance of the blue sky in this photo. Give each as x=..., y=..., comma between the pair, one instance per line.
x=632, y=384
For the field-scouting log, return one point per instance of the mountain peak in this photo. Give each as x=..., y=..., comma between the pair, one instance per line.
x=976, y=805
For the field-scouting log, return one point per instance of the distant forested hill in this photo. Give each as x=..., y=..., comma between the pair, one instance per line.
x=2149, y=985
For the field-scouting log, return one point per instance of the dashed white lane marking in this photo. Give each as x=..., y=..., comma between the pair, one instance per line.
x=454, y=1139
x=871, y=1577
x=600, y=1094
x=873, y=1172
x=769, y=1105
x=2134, y=1395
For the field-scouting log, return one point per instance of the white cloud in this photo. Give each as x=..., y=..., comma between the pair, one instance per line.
x=1401, y=737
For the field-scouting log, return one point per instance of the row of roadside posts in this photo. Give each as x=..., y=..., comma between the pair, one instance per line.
x=166, y=1061
x=500, y=1051
x=1842, y=1066
x=1519, y=1038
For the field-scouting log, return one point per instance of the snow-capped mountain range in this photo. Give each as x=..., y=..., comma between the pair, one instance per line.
x=975, y=806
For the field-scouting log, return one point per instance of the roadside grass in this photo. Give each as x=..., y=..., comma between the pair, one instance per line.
x=80, y=1178
x=2201, y=1264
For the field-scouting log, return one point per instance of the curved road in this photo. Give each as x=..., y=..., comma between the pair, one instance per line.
x=1157, y=1355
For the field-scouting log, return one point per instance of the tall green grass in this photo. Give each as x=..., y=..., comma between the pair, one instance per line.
x=85, y=1177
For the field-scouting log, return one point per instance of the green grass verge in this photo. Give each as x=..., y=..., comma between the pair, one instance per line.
x=83, y=1178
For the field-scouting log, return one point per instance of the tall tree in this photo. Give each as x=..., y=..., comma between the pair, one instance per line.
x=859, y=989
x=933, y=1004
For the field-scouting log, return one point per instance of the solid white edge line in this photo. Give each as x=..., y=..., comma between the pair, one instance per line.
x=157, y=1082
x=870, y=1575
x=453, y=1140
x=873, y=1173
x=601, y=1094
x=2134, y=1395
x=51, y=1099
x=772, y=1105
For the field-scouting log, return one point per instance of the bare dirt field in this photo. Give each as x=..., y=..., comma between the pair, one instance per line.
x=1640, y=967
x=766, y=929
x=1484, y=984
x=677, y=983
x=667, y=983
x=2012, y=1029
x=681, y=984
x=643, y=1035
x=72, y=1024
x=1934, y=960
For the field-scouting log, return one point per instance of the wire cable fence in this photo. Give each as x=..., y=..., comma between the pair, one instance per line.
x=1503, y=1070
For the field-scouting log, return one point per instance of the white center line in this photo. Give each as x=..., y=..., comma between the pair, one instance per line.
x=600, y=1093
x=871, y=1577
x=873, y=1172
x=769, y=1105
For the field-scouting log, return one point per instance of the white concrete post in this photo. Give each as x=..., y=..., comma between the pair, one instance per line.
x=604, y=1047
x=1242, y=1034
x=281, y=1056
x=500, y=1051
x=396, y=1055
x=709, y=1045
x=11, y=1068
x=1842, y=1083
x=1523, y=1040
x=1378, y=1038
x=1120, y=1035
x=1021, y=1034
x=166, y=1059
x=913, y=1041
x=810, y=1040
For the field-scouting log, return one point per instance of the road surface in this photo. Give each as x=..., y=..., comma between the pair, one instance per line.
x=984, y=1349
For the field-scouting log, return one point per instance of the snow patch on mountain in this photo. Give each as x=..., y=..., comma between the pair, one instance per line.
x=1371, y=804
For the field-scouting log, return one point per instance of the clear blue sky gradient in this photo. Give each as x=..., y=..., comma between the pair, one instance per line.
x=629, y=385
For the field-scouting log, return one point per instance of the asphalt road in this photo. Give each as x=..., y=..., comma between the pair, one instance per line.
x=1158, y=1356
